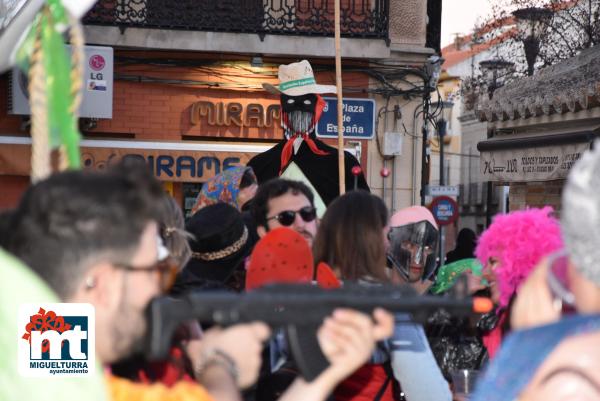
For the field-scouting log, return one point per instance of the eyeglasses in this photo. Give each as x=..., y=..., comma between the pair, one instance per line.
x=167, y=271
x=558, y=283
x=287, y=217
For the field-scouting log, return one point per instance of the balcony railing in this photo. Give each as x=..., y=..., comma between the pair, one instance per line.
x=359, y=18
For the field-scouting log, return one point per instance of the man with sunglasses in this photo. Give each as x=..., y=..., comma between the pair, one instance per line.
x=285, y=203
x=93, y=238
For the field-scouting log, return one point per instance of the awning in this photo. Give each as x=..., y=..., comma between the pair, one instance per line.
x=170, y=161
x=538, y=158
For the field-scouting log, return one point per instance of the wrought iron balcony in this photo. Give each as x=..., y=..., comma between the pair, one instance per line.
x=359, y=18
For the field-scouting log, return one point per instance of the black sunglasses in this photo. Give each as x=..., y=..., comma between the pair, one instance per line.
x=287, y=217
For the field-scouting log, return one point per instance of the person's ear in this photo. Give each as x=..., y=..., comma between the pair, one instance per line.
x=261, y=230
x=103, y=285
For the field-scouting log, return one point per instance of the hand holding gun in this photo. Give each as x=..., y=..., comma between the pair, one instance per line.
x=299, y=308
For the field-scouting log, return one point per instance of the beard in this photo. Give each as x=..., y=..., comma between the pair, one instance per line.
x=128, y=332
x=300, y=122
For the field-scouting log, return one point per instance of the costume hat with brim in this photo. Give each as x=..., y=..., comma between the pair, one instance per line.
x=220, y=242
x=297, y=79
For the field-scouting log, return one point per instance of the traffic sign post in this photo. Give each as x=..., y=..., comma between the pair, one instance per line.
x=445, y=212
x=442, y=190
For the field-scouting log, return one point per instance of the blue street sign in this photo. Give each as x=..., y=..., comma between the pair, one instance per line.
x=359, y=119
x=444, y=210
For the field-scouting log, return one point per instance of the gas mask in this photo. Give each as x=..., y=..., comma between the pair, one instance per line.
x=413, y=250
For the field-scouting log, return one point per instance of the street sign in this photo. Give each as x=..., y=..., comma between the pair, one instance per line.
x=446, y=190
x=444, y=210
x=359, y=119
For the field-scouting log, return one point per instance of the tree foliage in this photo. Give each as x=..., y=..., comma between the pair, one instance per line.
x=573, y=26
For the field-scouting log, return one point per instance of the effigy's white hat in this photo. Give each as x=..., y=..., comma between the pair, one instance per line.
x=297, y=79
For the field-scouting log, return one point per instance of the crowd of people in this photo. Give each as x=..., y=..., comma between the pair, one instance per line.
x=116, y=239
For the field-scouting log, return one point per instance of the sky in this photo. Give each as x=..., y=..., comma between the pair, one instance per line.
x=459, y=16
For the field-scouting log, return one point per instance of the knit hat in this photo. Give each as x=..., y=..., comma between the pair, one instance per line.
x=581, y=215
x=283, y=256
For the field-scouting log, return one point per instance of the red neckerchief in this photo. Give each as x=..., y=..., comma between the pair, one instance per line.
x=286, y=153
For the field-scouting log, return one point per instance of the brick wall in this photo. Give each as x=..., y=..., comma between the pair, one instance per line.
x=162, y=112
x=159, y=111
x=11, y=189
x=536, y=194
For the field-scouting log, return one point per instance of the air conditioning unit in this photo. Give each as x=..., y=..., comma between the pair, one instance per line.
x=97, y=85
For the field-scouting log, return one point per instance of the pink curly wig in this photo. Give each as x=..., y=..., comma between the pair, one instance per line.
x=519, y=240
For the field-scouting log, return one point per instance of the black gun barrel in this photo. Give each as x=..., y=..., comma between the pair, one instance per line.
x=285, y=305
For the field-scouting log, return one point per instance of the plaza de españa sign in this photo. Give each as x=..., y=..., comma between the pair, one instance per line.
x=359, y=119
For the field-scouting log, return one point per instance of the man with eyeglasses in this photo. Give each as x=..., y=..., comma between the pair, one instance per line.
x=285, y=203
x=93, y=238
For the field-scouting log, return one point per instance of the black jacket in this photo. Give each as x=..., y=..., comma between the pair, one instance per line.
x=321, y=170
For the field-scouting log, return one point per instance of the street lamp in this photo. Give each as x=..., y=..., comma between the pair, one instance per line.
x=532, y=23
x=495, y=72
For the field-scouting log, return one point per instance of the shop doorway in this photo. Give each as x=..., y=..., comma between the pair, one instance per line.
x=190, y=192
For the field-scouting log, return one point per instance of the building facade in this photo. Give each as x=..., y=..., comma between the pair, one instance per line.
x=187, y=95
x=540, y=126
x=462, y=66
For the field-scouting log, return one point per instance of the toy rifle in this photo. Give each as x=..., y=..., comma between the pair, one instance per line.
x=298, y=308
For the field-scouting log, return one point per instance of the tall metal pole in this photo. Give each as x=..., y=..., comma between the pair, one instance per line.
x=340, y=110
x=397, y=116
x=442, y=133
